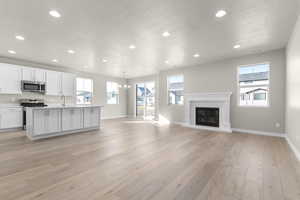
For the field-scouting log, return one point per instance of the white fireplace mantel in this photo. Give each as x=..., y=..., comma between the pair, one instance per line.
x=219, y=100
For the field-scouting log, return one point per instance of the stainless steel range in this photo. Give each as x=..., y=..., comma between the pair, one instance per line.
x=30, y=103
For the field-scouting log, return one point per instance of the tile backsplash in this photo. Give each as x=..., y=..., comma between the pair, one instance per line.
x=14, y=99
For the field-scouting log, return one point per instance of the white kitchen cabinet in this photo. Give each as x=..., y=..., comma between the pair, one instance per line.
x=11, y=118
x=33, y=74
x=91, y=116
x=53, y=83
x=27, y=74
x=60, y=120
x=72, y=119
x=68, y=84
x=40, y=75
x=46, y=121
x=10, y=79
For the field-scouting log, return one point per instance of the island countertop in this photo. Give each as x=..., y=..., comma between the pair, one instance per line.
x=56, y=106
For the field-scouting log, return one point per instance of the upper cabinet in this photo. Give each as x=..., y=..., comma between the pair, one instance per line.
x=57, y=83
x=53, y=83
x=33, y=74
x=40, y=75
x=60, y=83
x=68, y=82
x=10, y=79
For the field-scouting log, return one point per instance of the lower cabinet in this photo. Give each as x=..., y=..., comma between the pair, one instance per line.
x=11, y=118
x=91, y=117
x=72, y=119
x=46, y=121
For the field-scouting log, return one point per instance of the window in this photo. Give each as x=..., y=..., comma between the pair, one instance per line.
x=254, y=85
x=260, y=96
x=112, y=92
x=175, y=89
x=84, y=90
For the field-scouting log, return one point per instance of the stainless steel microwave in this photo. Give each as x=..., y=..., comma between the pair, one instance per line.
x=31, y=86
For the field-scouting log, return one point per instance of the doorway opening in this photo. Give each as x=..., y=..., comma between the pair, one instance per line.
x=145, y=100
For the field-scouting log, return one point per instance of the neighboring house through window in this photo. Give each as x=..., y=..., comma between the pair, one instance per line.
x=175, y=89
x=254, y=85
x=112, y=92
x=84, y=90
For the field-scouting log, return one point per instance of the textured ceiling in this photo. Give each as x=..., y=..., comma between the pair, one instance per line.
x=104, y=29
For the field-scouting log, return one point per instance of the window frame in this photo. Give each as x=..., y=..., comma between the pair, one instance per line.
x=106, y=93
x=269, y=86
x=168, y=98
x=92, y=95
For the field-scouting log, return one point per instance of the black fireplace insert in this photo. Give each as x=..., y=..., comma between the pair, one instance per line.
x=207, y=116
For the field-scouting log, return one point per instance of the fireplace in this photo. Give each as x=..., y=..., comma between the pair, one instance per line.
x=207, y=116
x=210, y=111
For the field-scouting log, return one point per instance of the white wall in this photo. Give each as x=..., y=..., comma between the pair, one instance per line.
x=99, y=81
x=293, y=87
x=221, y=76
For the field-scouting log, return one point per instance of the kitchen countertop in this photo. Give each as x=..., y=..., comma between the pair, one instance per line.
x=61, y=106
x=10, y=105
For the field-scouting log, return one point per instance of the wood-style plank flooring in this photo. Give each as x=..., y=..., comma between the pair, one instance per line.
x=136, y=160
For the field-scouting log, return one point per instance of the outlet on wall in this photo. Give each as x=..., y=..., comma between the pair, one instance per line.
x=277, y=125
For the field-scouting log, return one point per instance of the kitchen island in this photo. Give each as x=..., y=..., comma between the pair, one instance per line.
x=50, y=121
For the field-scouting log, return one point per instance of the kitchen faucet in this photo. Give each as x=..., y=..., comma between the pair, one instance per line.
x=64, y=100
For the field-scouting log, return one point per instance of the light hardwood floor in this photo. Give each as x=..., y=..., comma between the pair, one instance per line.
x=135, y=160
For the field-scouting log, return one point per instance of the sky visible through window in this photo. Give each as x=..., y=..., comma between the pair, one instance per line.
x=175, y=79
x=254, y=69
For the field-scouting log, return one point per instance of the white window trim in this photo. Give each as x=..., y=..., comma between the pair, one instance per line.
x=168, y=103
x=118, y=99
x=238, y=86
x=92, y=90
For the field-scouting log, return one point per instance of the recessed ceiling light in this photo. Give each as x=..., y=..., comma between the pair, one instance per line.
x=104, y=60
x=166, y=34
x=54, y=13
x=12, y=52
x=20, y=37
x=221, y=13
x=236, y=46
x=70, y=51
x=55, y=60
x=132, y=47
x=167, y=62
x=196, y=55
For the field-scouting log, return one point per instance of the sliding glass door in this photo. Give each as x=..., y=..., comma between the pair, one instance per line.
x=145, y=100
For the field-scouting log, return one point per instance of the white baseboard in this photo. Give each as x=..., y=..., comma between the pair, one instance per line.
x=115, y=117
x=259, y=132
x=177, y=123
x=236, y=130
x=10, y=130
x=293, y=147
